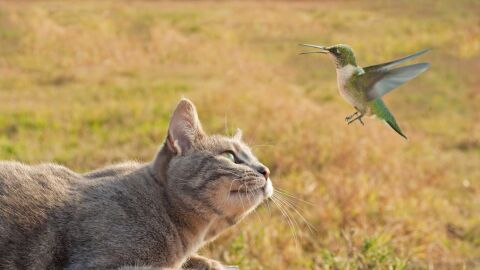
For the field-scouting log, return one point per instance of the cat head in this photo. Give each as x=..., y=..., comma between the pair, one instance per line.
x=214, y=175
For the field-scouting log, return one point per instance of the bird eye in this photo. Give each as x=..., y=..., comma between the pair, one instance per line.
x=229, y=155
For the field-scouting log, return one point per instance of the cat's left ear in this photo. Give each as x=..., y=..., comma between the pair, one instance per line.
x=238, y=134
x=184, y=128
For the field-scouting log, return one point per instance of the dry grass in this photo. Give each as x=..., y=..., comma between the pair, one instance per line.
x=86, y=84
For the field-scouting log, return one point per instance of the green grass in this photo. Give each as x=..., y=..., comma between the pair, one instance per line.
x=86, y=84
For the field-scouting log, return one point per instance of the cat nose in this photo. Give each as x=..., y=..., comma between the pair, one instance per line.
x=264, y=171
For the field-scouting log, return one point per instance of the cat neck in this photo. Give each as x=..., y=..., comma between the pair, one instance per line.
x=191, y=224
x=186, y=227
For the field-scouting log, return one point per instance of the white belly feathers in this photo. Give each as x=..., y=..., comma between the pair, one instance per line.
x=343, y=74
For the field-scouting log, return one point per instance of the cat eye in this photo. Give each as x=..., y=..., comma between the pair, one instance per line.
x=229, y=155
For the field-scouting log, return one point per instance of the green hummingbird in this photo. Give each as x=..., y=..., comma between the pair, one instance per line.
x=364, y=87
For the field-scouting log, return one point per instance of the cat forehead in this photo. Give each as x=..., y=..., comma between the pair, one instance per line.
x=218, y=143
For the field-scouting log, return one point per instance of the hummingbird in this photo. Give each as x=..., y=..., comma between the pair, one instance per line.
x=363, y=87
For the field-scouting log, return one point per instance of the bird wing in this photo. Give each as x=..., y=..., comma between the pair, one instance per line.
x=391, y=64
x=380, y=82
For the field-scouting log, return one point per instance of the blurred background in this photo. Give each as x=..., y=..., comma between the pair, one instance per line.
x=86, y=84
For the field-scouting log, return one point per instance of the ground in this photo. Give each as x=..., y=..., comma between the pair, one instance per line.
x=87, y=84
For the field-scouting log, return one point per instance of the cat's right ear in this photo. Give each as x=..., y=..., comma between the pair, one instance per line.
x=184, y=128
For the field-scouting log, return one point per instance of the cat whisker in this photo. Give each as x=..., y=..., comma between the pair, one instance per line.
x=292, y=206
x=249, y=200
x=241, y=200
x=227, y=130
x=289, y=222
x=283, y=192
x=229, y=172
x=287, y=209
x=287, y=217
x=267, y=203
x=253, y=144
x=230, y=189
x=290, y=200
x=262, y=145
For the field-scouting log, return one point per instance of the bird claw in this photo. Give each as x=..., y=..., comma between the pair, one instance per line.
x=350, y=119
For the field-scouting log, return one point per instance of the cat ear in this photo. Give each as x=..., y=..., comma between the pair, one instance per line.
x=238, y=134
x=184, y=128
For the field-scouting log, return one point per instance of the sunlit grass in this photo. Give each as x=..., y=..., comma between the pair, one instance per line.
x=90, y=83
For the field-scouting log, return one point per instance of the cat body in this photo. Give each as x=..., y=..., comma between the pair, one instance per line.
x=131, y=216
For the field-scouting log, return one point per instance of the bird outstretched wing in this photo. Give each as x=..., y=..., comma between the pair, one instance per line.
x=391, y=64
x=378, y=83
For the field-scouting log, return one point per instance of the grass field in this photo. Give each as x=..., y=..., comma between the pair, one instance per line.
x=87, y=84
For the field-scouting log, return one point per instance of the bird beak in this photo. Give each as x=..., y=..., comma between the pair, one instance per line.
x=323, y=49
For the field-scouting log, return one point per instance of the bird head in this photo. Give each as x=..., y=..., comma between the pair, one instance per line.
x=341, y=53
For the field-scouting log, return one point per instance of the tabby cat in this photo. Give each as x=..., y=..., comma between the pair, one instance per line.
x=132, y=216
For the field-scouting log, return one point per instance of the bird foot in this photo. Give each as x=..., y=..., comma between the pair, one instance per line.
x=354, y=117
x=348, y=118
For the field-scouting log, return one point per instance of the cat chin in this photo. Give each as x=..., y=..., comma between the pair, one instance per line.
x=254, y=197
x=249, y=200
x=268, y=189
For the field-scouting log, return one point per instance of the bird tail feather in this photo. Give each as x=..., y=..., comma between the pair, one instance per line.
x=381, y=111
x=395, y=127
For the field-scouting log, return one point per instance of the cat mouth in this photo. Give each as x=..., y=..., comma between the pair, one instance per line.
x=248, y=190
x=263, y=192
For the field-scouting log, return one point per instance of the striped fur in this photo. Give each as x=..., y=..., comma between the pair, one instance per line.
x=131, y=216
